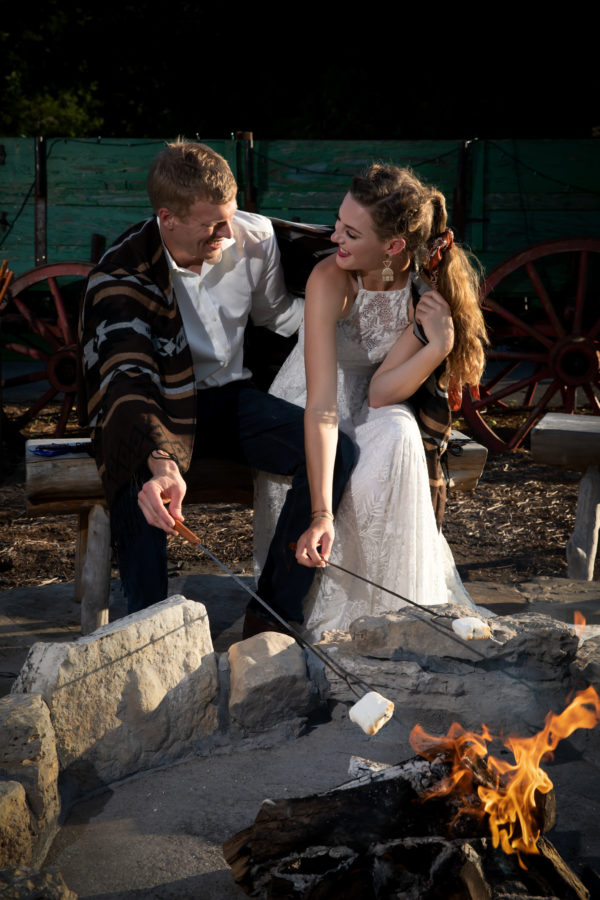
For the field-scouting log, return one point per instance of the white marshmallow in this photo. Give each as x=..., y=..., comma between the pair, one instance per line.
x=371, y=712
x=470, y=627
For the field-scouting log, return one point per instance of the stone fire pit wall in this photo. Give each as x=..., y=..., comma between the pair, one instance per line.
x=148, y=690
x=130, y=696
x=137, y=694
x=530, y=665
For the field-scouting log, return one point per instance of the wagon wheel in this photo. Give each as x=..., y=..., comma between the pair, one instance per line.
x=38, y=321
x=543, y=315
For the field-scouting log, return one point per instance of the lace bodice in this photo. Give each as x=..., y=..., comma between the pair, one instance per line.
x=376, y=319
x=364, y=337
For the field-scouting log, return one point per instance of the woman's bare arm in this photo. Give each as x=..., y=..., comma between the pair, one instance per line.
x=326, y=301
x=409, y=363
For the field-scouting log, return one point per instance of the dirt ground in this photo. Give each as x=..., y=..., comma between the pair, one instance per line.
x=513, y=527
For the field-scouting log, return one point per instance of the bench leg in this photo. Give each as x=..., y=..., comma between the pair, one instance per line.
x=95, y=575
x=583, y=543
x=80, y=548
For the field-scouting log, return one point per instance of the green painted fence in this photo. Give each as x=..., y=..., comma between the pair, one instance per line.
x=504, y=195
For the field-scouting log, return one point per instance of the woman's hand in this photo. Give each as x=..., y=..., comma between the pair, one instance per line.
x=320, y=535
x=433, y=315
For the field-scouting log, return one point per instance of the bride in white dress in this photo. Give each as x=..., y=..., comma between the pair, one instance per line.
x=362, y=360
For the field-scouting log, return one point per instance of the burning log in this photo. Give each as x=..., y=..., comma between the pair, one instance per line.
x=375, y=837
x=329, y=833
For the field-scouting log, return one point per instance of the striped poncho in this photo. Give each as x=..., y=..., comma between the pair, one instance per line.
x=138, y=373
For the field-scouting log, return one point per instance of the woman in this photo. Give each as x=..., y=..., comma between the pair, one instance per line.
x=363, y=360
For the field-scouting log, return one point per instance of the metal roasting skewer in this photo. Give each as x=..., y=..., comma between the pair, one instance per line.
x=447, y=632
x=339, y=670
x=435, y=615
x=372, y=710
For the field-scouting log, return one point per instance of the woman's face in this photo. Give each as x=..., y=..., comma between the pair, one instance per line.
x=359, y=247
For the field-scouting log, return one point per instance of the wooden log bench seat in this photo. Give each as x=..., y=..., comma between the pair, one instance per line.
x=68, y=484
x=573, y=442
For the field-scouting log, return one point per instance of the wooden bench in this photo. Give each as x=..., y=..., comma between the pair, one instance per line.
x=573, y=442
x=69, y=484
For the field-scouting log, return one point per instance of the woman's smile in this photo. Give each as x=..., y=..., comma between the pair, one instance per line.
x=356, y=238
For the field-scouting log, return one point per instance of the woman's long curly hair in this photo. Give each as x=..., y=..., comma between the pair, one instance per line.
x=402, y=206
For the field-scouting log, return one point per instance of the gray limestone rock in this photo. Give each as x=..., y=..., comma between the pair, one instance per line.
x=416, y=634
x=427, y=637
x=28, y=755
x=508, y=681
x=588, y=661
x=269, y=681
x=130, y=696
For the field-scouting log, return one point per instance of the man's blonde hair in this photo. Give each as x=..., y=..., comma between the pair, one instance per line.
x=184, y=172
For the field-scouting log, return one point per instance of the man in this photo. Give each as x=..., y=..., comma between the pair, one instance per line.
x=162, y=336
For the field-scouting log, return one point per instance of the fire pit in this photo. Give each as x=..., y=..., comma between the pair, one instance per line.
x=455, y=822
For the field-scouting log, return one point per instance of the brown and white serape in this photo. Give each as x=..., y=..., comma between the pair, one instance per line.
x=138, y=371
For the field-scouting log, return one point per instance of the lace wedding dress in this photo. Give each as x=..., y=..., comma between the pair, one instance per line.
x=385, y=526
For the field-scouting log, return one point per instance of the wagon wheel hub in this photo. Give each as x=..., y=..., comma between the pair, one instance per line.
x=62, y=370
x=575, y=361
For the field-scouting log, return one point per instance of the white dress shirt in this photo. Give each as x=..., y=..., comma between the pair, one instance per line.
x=215, y=304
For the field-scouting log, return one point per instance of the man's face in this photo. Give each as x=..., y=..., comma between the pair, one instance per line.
x=198, y=236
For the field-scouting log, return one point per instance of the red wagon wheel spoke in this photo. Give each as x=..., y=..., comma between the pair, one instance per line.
x=593, y=333
x=533, y=417
x=518, y=323
x=518, y=357
x=593, y=399
x=515, y=388
x=38, y=326
x=503, y=373
x=531, y=392
x=545, y=299
x=22, y=380
x=63, y=321
x=65, y=411
x=568, y=398
x=39, y=404
x=581, y=292
x=38, y=322
x=26, y=350
x=547, y=340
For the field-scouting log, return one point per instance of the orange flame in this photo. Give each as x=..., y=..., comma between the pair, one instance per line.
x=509, y=799
x=579, y=622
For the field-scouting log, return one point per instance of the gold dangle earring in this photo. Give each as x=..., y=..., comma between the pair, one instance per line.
x=387, y=273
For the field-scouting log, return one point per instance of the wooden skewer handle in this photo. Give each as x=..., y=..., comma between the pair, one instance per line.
x=184, y=532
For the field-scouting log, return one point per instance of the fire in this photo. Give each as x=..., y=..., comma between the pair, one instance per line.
x=579, y=622
x=509, y=796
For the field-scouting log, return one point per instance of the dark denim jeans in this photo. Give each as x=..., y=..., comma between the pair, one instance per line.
x=238, y=422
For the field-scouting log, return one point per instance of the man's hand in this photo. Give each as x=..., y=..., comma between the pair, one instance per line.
x=320, y=534
x=165, y=486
